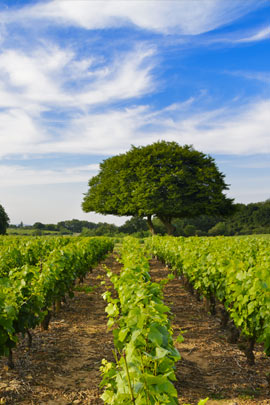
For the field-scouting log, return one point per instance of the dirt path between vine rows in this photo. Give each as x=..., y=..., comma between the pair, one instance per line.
x=210, y=366
x=62, y=367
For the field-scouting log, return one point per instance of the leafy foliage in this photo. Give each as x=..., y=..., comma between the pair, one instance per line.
x=4, y=220
x=37, y=272
x=143, y=371
x=162, y=179
x=233, y=270
x=252, y=218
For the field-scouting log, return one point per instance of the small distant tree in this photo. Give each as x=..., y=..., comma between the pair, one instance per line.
x=37, y=232
x=4, y=221
x=64, y=231
x=219, y=229
x=135, y=224
x=105, y=229
x=74, y=225
x=164, y=179
x=190, y=230
x=87, y=232
x=38, y=225
x=51, y=227
x=199, y=232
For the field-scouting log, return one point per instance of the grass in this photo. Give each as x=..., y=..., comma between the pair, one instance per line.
x=30, y=232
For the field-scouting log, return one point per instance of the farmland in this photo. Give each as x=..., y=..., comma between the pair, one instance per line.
x=72, y=349
x=36, y=275
x=233, y=273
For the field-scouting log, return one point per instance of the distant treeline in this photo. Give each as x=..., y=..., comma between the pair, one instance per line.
x=86, y=228
x=248, y=219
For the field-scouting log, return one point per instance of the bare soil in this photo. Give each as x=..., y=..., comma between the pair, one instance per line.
x=210, y=366
x=62, y=366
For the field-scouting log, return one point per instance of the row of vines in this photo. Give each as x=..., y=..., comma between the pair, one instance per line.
x=232, y=273
x=144, y=368
x=36, y=273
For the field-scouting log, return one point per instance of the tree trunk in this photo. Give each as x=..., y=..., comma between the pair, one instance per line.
x=150, y=225
x=45, y=323
x=249, y=352
x=10, y=359
x=167, y=221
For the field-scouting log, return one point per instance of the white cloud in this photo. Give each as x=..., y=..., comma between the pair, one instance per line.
x=234, y=131
x=32, y=81
x=261, y=35
x=260, y=76
x=242, y=131
x=19, y=133
x=109, y=132
x=220, y=131
x=181, y=17
x=236, y=38
x=31, y=84
x=128, y=77
x=223, y=131
x=43, y=78
x=17, y=175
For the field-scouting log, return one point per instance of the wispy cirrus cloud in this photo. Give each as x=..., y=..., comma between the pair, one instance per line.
x=263, y=77
x=34, y=85
x=236, y=130
x=180, y=17
x=227, y=130
x=233, y=38
x=32, y=81
x=260, y=35
x=47, y=76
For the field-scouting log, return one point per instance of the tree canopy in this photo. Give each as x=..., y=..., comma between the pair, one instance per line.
x=162, y=179
x=4, y=220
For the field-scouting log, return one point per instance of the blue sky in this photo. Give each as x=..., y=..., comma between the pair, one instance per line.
x=82, y=80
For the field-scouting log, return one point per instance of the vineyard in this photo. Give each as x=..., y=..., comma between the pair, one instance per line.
x=36, y=274
x=232, y=273
x=140, y=353
x=144, y=352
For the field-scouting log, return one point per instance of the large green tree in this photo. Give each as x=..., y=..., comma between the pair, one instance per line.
x=4, y=220
x=162, y=179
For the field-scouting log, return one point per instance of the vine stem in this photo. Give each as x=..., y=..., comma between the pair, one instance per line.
x=128, y=377
x=117, y=362
x=147, y=393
